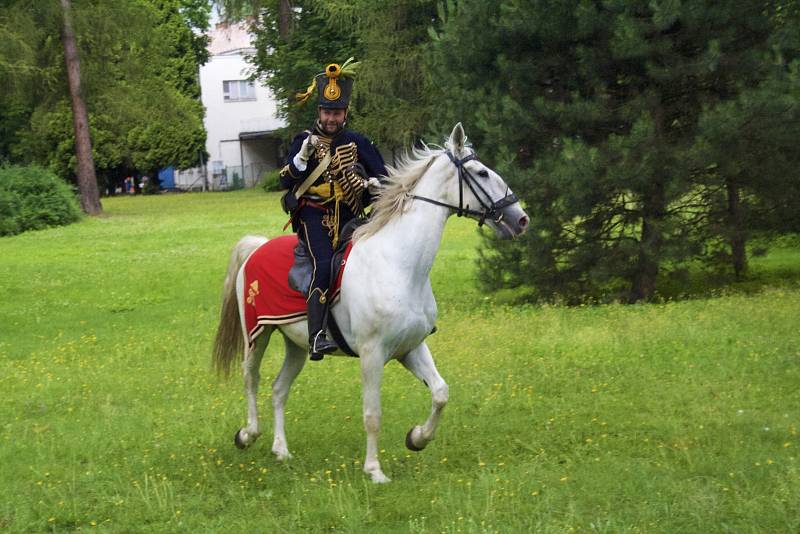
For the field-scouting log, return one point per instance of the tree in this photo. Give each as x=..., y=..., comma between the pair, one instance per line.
x=592, y=110
x=18, y=74
x=178, y=27
x=286, y=63
x=394, y=91
x=745, y=147
x=390, y=103
x=87, y=181
x=748, y=182
x=139, y=78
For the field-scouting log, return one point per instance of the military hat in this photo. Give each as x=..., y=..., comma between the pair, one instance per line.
x=334, y=86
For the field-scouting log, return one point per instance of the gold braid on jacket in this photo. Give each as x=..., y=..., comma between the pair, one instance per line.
x=342, y=183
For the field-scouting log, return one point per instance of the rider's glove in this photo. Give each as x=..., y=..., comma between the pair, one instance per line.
x=304, y=154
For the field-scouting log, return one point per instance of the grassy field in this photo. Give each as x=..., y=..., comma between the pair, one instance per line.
x=671, y=417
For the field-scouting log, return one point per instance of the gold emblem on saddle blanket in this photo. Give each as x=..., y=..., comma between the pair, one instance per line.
x=252, y=293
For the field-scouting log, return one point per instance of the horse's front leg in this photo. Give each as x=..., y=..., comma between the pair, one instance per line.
x=371, y=375
x=251, y=372
x=293, y=363
x=420, y=362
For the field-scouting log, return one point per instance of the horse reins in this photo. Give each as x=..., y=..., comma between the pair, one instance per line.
x=490, y=209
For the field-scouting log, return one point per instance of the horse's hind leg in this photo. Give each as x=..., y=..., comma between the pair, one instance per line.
x=251, y=371
x=293, y=363
x=420, y=362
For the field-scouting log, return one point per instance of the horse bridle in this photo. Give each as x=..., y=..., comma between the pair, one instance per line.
x=492, y=210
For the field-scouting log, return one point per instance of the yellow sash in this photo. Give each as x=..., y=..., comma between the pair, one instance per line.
x=324, y=191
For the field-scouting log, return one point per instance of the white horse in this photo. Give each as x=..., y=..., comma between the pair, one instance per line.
x=386, y=308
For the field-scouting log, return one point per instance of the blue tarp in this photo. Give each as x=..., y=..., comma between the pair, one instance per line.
x=166, y=178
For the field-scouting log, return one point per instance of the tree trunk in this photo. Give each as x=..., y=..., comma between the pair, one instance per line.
x=738, y=239
x=653, y=214
x=284, y=19
x=87, y=181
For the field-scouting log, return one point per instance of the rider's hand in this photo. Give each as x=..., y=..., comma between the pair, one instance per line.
x=374, y=186
x=304, y=154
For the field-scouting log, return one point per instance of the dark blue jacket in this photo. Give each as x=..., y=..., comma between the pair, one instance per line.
x=368, y=157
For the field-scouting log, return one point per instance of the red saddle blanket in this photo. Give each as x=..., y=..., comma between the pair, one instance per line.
x=268, y=297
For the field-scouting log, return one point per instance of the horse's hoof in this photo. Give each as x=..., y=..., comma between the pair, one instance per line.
x=410, y=444
x=380, y=478
x=283, y=456
x=237, y=440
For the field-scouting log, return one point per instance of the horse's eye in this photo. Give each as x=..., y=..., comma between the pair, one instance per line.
x=483, y=173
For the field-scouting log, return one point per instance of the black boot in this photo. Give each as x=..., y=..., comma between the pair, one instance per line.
x=318, y=343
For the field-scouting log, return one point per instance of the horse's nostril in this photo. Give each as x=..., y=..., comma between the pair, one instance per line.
x=523, y=222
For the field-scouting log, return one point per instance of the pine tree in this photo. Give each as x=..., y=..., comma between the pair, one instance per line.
x=394, y=101
x=592, y=110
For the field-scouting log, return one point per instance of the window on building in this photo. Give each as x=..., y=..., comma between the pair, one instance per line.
x=238, y=90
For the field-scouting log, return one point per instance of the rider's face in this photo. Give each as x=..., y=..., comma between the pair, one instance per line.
x=332, y=120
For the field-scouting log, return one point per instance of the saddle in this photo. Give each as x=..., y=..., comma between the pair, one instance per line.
x=303, y=268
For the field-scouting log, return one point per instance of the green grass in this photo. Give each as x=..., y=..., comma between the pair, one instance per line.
x=672, y=417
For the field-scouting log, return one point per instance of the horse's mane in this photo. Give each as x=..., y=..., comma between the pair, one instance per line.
x=396, y=187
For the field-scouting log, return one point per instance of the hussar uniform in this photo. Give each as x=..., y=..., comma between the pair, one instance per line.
x=339, y=194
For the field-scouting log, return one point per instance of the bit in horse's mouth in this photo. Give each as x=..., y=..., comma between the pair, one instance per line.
x=508, y=231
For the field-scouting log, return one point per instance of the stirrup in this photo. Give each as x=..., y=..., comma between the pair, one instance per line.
x=319, y=345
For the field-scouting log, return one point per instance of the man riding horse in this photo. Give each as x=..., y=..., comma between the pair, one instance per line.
x=332, y=174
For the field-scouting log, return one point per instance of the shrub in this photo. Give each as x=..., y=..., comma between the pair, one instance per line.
x=32, y=198
x=9, y=213
x=270, y=180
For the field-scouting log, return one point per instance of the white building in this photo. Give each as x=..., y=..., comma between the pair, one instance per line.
x=240, y=119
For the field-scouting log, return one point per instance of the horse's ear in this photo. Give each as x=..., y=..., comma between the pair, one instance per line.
x=458, y=138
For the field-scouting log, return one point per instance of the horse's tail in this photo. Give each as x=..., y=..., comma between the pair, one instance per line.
x=229, y=341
